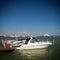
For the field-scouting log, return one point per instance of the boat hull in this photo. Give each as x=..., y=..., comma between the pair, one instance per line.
x=25, y=47
x=7, y=49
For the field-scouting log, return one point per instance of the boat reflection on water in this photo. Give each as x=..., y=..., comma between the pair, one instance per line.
x=36, y=54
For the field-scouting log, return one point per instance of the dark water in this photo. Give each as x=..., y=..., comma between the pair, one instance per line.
x=51, y=53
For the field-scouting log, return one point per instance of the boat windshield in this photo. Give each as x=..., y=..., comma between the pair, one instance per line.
x=34, y=40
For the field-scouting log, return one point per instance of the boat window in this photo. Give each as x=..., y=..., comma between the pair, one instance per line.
x=34, y=40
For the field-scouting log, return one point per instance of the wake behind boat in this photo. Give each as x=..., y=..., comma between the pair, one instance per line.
x=29, y=44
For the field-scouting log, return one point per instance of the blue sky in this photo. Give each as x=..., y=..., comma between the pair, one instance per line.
x=31, y=16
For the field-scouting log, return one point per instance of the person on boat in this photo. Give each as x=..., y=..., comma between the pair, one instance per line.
x=3, y=44
x=11, y=44
x=6, y=45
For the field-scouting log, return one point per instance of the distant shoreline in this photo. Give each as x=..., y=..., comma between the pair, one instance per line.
x=45, y=37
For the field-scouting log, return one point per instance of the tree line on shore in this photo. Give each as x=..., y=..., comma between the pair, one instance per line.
x=41, y=37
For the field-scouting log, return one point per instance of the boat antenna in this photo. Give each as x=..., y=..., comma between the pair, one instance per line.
x=16, y=37
x=53, y=41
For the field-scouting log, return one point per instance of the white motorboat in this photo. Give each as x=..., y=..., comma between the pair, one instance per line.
x=29, y=44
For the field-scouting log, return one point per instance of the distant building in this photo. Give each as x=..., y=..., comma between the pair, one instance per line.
x=46, y=35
